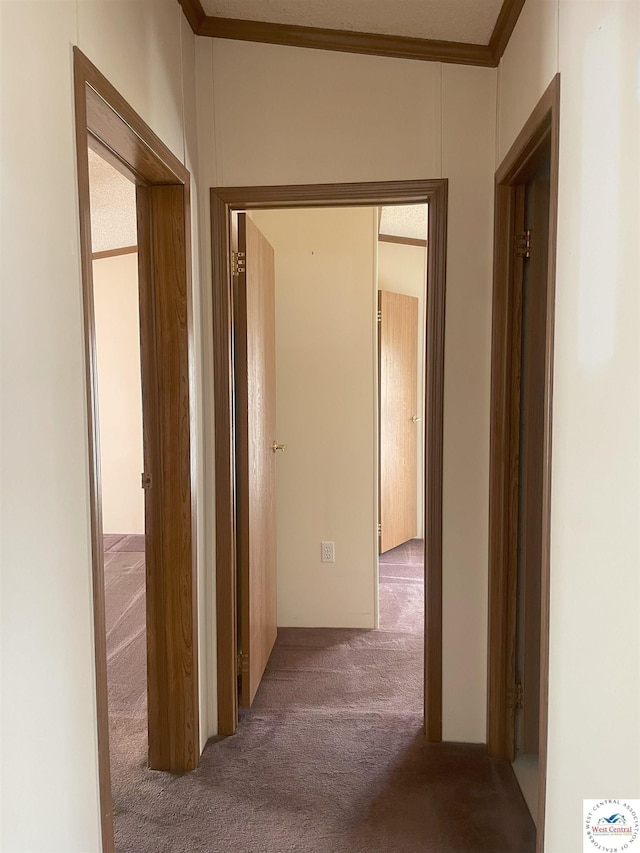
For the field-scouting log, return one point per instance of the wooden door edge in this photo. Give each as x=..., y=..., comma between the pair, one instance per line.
x=224, y=200
x=542, y=127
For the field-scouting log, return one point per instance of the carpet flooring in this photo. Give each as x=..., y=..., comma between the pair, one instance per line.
x=330, y=758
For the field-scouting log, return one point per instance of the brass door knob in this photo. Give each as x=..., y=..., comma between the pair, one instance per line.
x=275, y=446
x=416, y=418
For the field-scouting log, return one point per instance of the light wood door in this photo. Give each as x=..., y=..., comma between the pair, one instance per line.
x=256, y=456
x=399, y=418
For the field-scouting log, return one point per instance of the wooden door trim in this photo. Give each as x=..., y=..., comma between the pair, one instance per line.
x=105, y=120
x=225, y=200
x=542, y=128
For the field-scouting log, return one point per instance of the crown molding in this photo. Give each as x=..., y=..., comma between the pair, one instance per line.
x=194, y=13
x=374, y=44
x=347, y=41
x=505, y=25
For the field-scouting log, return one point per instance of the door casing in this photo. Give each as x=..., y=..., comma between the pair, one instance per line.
x=105, y=122
x=540, y=130
x=224, y=201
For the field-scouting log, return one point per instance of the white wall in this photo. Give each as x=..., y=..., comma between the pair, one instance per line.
x=269, y=115
x=117, y=319
x=326, y=413
x=48, y=693
x=594, y=695
x=402, y=269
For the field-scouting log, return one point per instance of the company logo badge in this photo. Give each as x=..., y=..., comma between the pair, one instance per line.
x=611, y=825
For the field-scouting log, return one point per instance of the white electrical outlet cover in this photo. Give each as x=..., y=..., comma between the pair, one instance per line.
x=327, y=552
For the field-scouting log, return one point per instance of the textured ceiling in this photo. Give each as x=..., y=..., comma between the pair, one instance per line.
x=113, y=207
x=405, y=220
x=447, y=20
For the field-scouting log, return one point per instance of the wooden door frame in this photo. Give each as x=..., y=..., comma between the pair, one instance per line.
x=105, y=122
x=541, y=129
x=224, y=201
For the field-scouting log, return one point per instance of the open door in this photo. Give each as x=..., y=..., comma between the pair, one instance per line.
x=398, y=390
x=254, y=281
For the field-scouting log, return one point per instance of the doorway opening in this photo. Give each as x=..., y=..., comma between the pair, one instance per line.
x=225, y=202
x=402, y=279
x=312, y=421
x=119, y=408
x=108, y=126
x=520, y=457
x=401, y=318
x=401, y=321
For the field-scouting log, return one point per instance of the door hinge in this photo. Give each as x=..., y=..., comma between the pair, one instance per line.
x=515, y=697
x=379, y=530
x=242, y=663
x=146, y=481
x=522, y=245
x=238, y=262
x=379, y=316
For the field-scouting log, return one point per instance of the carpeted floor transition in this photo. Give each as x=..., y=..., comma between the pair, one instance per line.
x=330, y=759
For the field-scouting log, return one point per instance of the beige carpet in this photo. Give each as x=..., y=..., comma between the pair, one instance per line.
x=331, y=758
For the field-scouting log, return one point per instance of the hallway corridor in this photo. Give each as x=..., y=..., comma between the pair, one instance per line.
x=330, y=759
